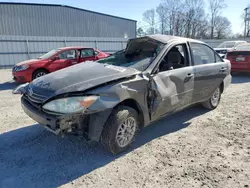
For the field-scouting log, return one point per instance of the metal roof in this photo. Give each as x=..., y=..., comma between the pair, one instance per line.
x=67, y=6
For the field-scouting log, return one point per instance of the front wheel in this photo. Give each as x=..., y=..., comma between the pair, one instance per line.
x=213, y=101
x=39, y=73
x=120, y=129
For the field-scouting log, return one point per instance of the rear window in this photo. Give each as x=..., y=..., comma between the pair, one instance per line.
x=226, y=45
x=243, y=47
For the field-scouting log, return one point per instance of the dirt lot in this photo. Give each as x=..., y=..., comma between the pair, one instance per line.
x=193, y=148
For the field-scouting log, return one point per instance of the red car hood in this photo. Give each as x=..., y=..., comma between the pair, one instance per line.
x=28, y=62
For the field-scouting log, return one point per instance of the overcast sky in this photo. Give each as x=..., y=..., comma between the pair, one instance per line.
x=134, y=9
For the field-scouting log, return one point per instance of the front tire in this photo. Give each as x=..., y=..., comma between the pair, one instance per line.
x=120, y=129
x=39, y=73
x=213, y=101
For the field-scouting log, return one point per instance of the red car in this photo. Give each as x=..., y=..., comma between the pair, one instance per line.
x=54, y=60
x=240, y=58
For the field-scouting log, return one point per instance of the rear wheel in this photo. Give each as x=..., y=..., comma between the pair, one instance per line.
x=213, y=101
x=120, y=129
x=39, y=73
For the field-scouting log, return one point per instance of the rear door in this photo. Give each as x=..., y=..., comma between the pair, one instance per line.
x=87, y=54
x=209, y=71
x=66, y=59
x=172, y=88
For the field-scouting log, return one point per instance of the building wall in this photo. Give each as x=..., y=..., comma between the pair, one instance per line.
x=19, y=19
x=14, y=49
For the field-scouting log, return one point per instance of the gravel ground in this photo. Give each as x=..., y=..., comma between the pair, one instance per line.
x=193, y=148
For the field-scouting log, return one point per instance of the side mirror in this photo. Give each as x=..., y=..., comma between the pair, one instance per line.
x=55, y=58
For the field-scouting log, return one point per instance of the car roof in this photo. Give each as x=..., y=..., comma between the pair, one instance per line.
x=169, y=38
x=236, y=41
x=73, y=47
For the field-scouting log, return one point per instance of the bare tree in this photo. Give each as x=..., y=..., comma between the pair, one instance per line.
x=188, y=18
x=194, y=10
x=150, y=18
x=215, y=7
x=172, y=9
x=140, y=32
x=202, y=29
x=162, y=15
x=222, y=27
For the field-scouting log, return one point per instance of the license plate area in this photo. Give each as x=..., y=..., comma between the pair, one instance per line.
x=240, y=58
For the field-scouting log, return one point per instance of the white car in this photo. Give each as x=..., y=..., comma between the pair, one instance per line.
x=226, y=46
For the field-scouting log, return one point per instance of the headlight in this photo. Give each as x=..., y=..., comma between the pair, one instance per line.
x=21, y=68
x=70, y=105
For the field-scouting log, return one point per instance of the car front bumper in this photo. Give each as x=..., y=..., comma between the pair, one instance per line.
x=22, y=76
x=88, y=125
x=240, y=69
x=54, y=123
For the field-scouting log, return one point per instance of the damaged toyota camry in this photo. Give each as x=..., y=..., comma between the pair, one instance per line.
x=110, y=100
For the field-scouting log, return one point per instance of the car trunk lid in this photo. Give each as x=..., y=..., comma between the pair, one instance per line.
x=239, y=59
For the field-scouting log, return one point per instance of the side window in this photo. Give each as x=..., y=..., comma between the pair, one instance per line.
x=68, y=54
x=202, y=54
x=218, y=58
x=87, y=53
x=176, y=57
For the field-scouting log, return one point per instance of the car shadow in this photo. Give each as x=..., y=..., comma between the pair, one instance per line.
x=33, y=157
x=239, y=78
x=8, y=86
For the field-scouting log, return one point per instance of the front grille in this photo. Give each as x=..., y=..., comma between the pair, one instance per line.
x=36, y=98
x=33, y=104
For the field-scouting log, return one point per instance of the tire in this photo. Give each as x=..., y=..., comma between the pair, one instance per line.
x=39, y=73
x=213, y=101
x=113, y=133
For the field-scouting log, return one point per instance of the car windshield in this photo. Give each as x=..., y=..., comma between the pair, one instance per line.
x=49, y=54
x=226, y=45
x=139, y=59
x=243, y=47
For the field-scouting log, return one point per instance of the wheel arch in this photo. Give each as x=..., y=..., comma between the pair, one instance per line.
x=222, y=87
x=39, y=69
x=132, y=103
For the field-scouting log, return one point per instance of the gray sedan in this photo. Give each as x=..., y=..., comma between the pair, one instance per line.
x=111, y=99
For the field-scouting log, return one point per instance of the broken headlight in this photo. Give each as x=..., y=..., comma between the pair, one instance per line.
x=70, y=105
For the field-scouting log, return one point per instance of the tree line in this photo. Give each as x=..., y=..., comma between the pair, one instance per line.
x=187, y=18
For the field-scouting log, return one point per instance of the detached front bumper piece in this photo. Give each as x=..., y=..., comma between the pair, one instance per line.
x=55, y=124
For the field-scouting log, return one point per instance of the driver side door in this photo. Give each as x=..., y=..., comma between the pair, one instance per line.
x=172, y=89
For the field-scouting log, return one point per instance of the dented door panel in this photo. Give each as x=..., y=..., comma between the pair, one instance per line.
x=172, y=90
x=207, y=78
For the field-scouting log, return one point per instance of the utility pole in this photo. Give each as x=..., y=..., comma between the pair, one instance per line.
x=247, y=20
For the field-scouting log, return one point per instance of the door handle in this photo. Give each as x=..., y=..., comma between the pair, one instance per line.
x=223, y=69
x=189, y=75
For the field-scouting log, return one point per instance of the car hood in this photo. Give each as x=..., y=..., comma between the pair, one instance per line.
x=77, y=78
x=28, y=62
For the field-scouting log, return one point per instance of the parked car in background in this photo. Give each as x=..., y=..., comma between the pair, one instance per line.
x=227, y=46
x=54, y=60
x=240, y=58
x=111, y=99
